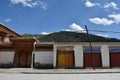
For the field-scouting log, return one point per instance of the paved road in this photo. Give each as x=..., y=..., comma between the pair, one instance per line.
x=57, y=71
x=18, y=76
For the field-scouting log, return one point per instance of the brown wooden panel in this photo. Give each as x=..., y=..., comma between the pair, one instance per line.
x=65, y=58
x=16, y=59
x=89, y=60
x=61, y=60
x=44, y=47
x=29, y=58
x=115, y=59
x=23, y=44
x=4, y=29
x=69, y=60
x=7, y=47
x=22, y=58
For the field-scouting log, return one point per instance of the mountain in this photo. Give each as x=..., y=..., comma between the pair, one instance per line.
x=67, y=36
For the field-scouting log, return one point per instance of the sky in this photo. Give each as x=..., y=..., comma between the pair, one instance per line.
x=48, y=16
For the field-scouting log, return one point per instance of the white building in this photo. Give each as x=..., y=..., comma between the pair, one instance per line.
x=16, y=51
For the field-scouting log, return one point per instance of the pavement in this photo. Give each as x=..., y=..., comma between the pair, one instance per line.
x=58, y=71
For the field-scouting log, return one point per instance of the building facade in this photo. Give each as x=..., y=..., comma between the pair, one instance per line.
x=19, y=52
x=103, y=55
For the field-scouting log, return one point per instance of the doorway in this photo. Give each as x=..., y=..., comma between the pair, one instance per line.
x=23, y=59
x=65, y=58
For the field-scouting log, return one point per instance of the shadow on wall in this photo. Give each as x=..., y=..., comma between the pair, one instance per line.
x=6, y=65
x=38, y=65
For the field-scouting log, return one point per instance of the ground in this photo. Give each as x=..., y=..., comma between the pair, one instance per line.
x=59, y=74
x=108, y=76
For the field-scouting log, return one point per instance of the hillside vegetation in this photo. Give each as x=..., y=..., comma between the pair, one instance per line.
x=65, y=36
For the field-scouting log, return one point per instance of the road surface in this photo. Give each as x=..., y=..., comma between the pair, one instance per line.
x=19, y=76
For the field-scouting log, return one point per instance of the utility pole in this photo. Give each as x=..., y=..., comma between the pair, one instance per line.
x=91, y=49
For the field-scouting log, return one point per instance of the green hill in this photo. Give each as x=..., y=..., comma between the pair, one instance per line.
x=65, y=36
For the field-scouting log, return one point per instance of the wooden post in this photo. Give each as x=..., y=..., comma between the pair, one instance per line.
x=91, y=49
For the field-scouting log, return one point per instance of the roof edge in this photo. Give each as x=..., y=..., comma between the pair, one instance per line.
x=10, y=29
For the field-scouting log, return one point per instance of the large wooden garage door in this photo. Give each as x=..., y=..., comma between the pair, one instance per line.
x=115, y=59
x=65, y=58
x=22, y=59
x=88, y=60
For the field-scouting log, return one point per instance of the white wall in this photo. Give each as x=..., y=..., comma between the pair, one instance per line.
x=78, y=52
x=44, y=57
x=6, y=56
x=54, y=55
x=105, y=56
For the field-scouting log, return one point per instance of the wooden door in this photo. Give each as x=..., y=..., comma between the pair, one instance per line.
x=61, y=60
x=16, y=59
x=115, y=59
x=69, y=59
x=22, y=59
x=29, y=59
x=89, y=60
x=65, y=58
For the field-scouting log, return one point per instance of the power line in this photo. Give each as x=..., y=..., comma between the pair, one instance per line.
x=102, y=31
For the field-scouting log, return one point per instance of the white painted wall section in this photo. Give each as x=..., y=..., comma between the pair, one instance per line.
x=44, y=57
x=54, y=56
x=78, y=53
x=6, y=57
x=105, y=56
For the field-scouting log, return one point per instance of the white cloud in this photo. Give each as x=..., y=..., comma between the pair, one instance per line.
x=7, y=20
x=66, y=29
x=111, y=5
x=116, y=17
x=43, y=5
x=75, y=27
x=45, y=33
x=90, y=4
x=102, y=21
x=103, y=35
x=30, y=3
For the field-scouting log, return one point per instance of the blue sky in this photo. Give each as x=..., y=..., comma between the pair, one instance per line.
x=47, y=16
